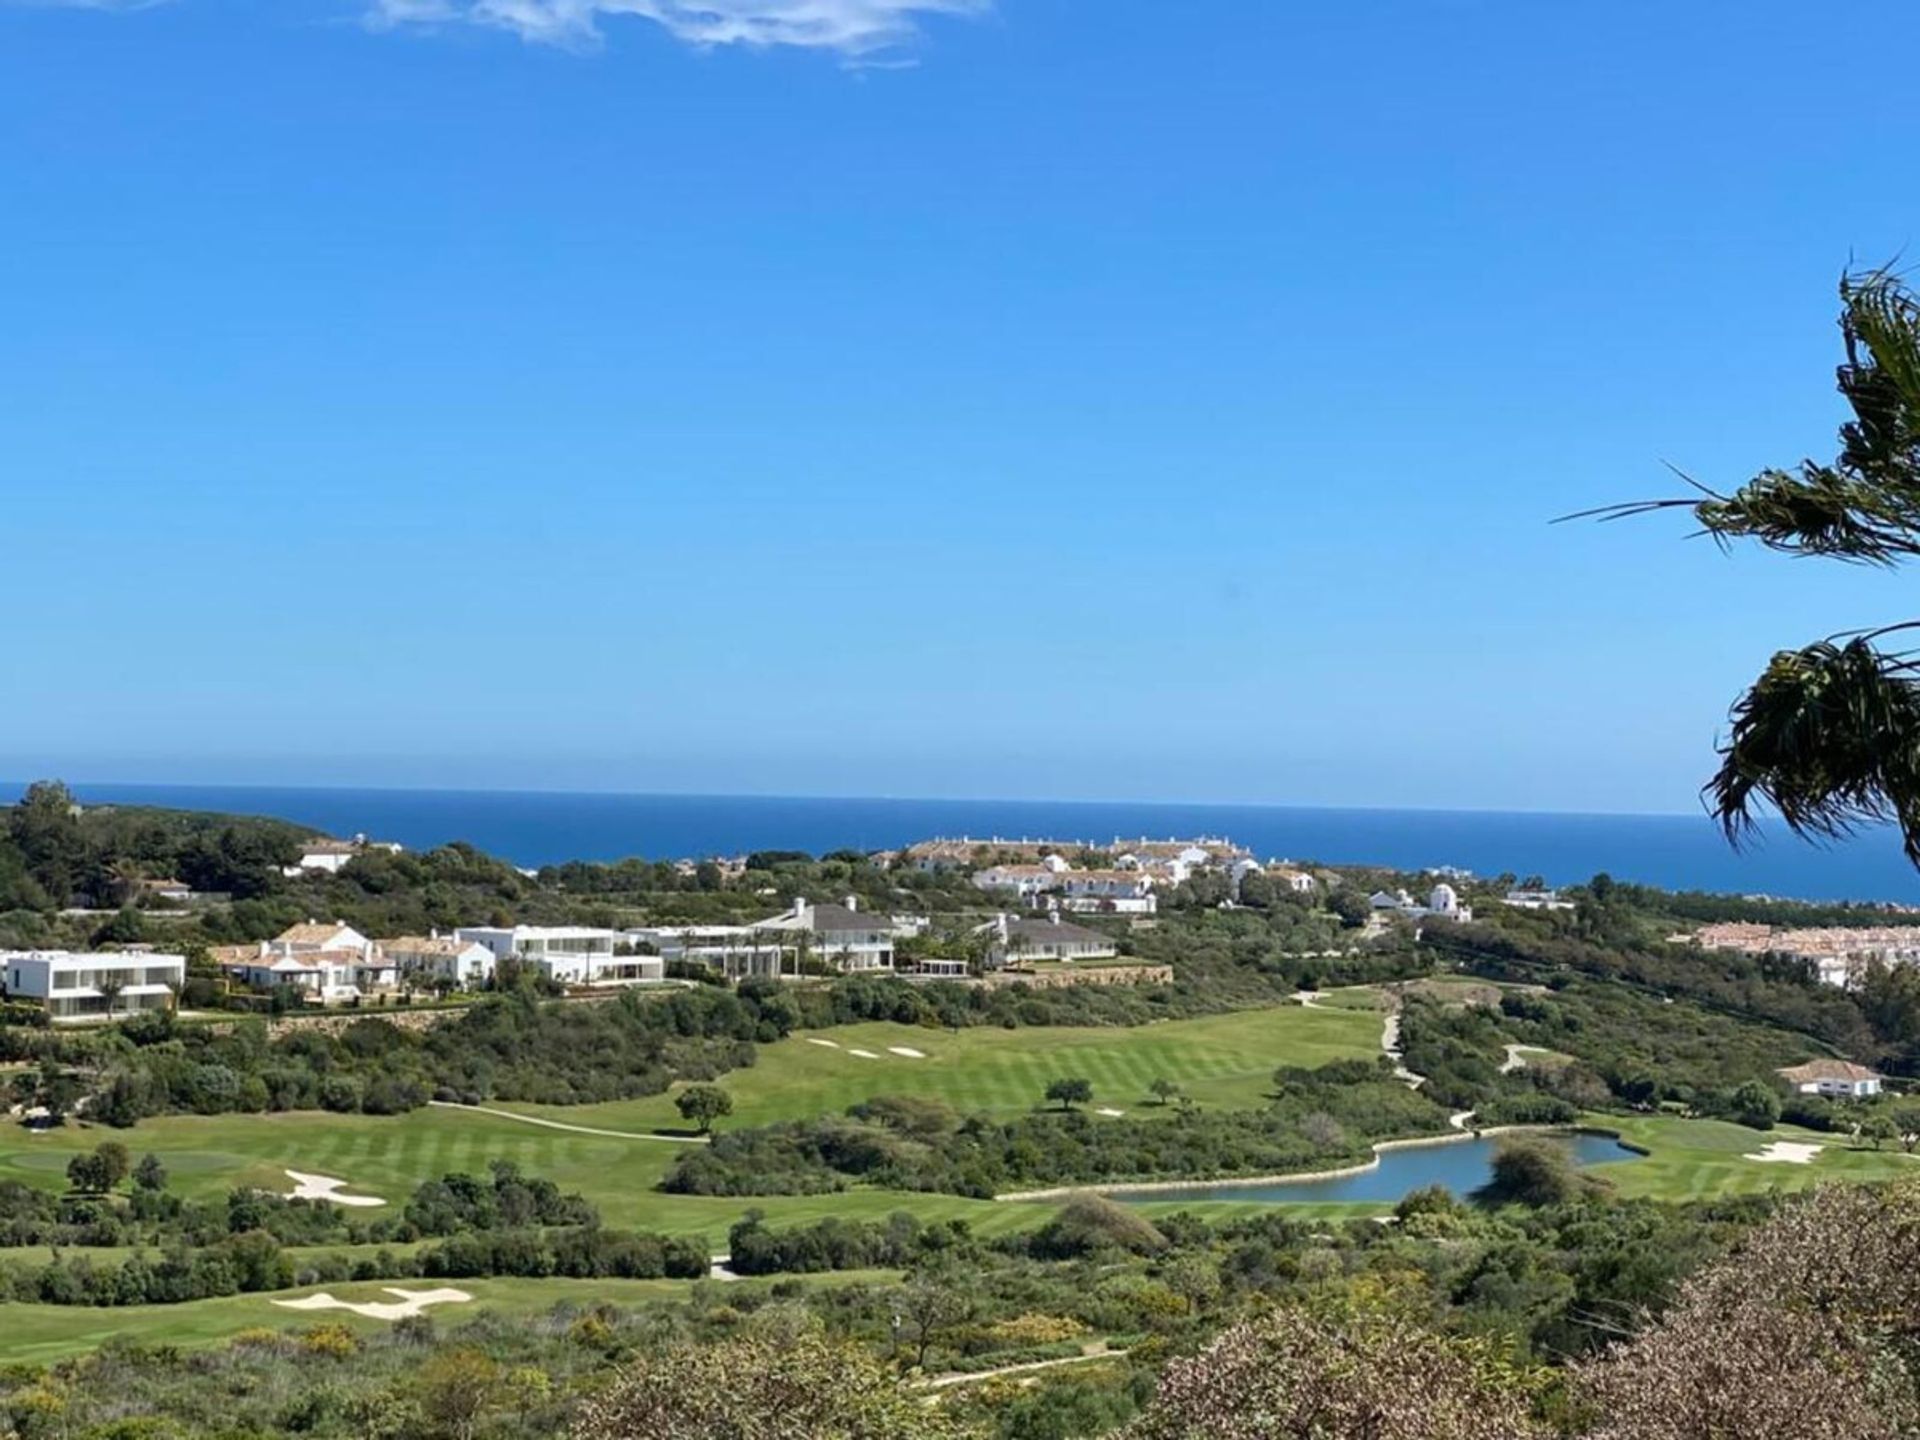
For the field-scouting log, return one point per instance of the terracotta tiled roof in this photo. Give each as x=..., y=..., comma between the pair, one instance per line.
x=1815, y=1070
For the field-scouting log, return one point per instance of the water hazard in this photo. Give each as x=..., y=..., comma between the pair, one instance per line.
x=1462, y=1167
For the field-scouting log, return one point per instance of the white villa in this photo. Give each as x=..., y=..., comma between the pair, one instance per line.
x=1443, y=903
x=331, y=961
x=1836, y=1079
x=842, y=934
x=77, y=986
x=568, y=954
x=736, y=951
x=1012, y=939
x=467, y=963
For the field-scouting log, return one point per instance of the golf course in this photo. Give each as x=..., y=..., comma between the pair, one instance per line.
x=615, y=1154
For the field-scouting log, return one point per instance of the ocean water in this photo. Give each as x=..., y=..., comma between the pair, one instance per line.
x=536, y=828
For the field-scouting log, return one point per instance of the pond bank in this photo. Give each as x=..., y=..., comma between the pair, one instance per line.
x=1307, y=1177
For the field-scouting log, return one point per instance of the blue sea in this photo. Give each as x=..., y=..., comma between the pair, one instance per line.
x=536, y=828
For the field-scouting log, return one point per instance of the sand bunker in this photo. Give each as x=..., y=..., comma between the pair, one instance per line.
x=908, y=1051
x=1110, y=1113
x=864, y=1054
x=816, y=1040
x=325, y=1187
x=410, y=1303
x=1787, y=1152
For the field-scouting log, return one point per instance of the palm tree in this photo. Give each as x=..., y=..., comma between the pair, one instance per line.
x=110, y=987
x=1829, y=734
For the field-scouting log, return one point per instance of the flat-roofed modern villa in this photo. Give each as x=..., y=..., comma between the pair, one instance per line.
x=569, y=954
x=736, y=951
x=93, y=985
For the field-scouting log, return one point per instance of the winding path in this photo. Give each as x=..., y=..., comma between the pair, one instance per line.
x=1390, y=1042
x=1098, y=1352
x=562, y=1125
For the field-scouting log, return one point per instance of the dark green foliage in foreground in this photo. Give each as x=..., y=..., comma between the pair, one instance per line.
x=1318, y=1118
x=1539, y=1286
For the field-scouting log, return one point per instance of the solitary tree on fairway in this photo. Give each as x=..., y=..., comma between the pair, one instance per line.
x=1876, y=1130
x=1068, y=1093
x=703, y=1104
x=1829, y=734
x=1163, y=1090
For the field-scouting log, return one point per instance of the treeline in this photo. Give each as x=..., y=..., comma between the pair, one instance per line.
x=503, y=1224
x=1316, y=1119
x=1760, y=988
x=1622, y=1048
x=899, y=1241
x=54, y=854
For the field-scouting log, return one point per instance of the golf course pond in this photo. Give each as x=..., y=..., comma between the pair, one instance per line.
x=1462, y=1166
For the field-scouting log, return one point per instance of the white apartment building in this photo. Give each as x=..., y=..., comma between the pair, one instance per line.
x=568, y=954
x=78, y=986
x=1113, y=892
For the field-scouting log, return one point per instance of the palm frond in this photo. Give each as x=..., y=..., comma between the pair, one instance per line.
x=1865, y=505
x=1828, y=737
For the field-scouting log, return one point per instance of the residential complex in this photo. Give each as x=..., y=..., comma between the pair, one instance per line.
x=1837, y=956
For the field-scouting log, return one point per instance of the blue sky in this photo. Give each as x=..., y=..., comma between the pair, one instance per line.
x=1044, y=399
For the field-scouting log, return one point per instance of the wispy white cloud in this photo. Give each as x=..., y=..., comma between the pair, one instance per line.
x=857, y=29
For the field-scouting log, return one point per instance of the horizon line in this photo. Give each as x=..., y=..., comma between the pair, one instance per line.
x=614, y=794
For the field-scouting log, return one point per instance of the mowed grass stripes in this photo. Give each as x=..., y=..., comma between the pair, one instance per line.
x=1222, y=1060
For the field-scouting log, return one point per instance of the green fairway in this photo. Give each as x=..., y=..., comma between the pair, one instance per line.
x=390, y=1157
x=44, y=1333
x=1705, y=1159
x=1221, y=1060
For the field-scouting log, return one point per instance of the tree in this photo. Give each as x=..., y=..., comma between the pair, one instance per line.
x=1351, y=906
x=456, y=1388
x=1754, y=1104
x=1829, y=735
x=45, y=827
x=770, y=1387
x=1531, y=1172
x=114, y=1162
x=1878, y=1129
x=703, y=1104
x=1328, y=1373
x=150, y=1174
x=1163, y=1090
x=1906, y=1121
x=110, y=987
x=932, y=1302
x=1068, y=1093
